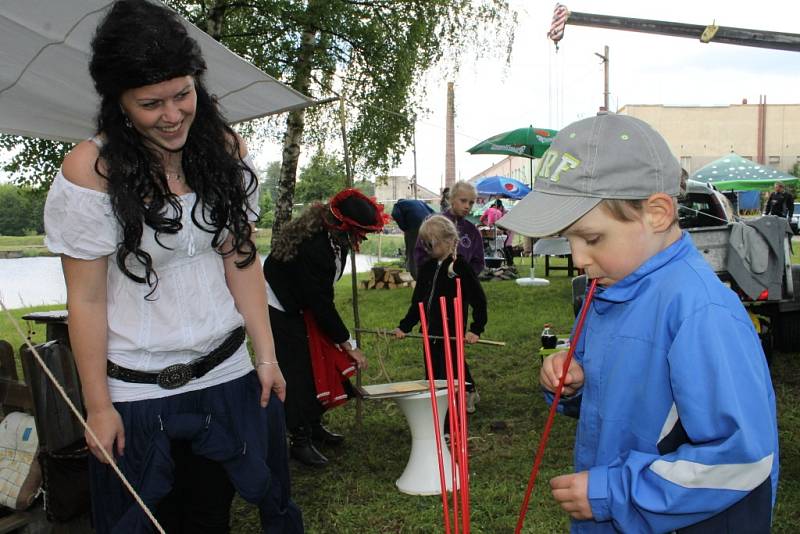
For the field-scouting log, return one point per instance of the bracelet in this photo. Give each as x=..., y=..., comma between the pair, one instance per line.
x=265, y=363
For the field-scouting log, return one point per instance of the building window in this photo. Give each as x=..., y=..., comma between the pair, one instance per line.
x=686, y=163
x=748, y=157
x=775, y=161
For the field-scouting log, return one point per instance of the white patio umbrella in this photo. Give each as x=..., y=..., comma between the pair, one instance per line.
x=46, y=90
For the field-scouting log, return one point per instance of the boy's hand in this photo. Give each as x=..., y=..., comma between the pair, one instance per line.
x=399, y=334
x=551, y=374
x=471, y=338
x=570, y=492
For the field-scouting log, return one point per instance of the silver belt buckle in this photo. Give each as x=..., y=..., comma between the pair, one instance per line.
x=174, y=376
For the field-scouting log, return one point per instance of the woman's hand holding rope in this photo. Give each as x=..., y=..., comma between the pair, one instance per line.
x=107, y=426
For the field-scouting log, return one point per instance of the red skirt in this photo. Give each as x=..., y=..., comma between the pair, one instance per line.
x=331, y=365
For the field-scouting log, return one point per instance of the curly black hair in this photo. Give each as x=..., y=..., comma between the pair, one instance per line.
x=316, y=218
x=139, y=43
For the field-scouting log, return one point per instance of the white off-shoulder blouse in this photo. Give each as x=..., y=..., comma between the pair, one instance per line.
x=191, y=311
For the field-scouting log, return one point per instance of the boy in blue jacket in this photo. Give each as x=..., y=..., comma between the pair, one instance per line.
x=677, y=428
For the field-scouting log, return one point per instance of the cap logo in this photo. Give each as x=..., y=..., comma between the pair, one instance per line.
x=566, y=162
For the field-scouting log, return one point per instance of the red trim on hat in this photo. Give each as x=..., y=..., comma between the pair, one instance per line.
x=350, y=225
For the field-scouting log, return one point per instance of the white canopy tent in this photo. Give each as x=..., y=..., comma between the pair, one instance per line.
x=46, y=90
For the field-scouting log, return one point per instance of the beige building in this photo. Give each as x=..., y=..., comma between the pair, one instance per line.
x=699, y=135
x=510, y=167
x=397, y=187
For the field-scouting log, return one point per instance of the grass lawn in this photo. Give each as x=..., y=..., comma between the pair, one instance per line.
x=357, y=494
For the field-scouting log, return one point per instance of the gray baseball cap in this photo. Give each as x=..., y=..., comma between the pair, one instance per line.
x=608, y=156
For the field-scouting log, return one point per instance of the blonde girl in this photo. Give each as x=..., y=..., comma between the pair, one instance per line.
x=437, y=278
x=470, y=243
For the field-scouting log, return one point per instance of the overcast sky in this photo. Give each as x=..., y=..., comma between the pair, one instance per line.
x=551, y=89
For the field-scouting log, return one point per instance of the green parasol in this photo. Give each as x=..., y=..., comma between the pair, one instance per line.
x=735, y=173
x=526, y=142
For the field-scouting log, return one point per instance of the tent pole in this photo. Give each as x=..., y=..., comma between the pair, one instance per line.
x=533, y=274
x=353, y=275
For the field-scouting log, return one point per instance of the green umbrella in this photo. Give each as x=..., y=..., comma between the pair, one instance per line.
x=527, y=142
x=735, y=173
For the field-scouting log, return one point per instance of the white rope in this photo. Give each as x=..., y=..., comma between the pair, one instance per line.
x=78, y=414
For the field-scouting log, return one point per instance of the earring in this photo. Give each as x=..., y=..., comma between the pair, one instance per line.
x=127, y=122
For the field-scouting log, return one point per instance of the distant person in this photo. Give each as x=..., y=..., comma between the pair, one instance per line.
x=677, y=426
x=780, y=202
x=409, y=214
x=306, y=260
x=493, y=213
x=470, y=243
x=444, y=202
x=437, y=278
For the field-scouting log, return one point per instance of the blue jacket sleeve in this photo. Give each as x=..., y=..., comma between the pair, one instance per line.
x=724, y=401
x=398, y=214
x=570, y=406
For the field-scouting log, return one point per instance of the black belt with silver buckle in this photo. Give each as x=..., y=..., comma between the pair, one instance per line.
x=177, y=375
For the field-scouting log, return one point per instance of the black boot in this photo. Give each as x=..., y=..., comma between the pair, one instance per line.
x=302, y=449
x=322, y=435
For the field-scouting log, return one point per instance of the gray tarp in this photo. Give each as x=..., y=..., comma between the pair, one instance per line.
x=46, y=91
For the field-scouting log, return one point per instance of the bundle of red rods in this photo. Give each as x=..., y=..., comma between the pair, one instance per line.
x=457, y=408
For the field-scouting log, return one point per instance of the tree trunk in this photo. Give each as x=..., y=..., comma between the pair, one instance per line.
x=216, y=18
x=295, y=125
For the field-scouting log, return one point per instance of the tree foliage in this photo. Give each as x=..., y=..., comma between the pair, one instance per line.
x=373, y=52
x=366, y=187
x=322, y=178
x=34, y=162
x=21, y=210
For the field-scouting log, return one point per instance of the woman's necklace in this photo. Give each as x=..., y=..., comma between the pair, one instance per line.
x=174, y=176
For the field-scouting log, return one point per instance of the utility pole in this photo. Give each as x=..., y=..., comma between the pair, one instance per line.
x=450, y=150
x=604, y=57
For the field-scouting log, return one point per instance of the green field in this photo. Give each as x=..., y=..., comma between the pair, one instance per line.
x=375, y=245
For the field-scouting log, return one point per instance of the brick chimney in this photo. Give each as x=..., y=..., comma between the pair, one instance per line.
x=450, y=143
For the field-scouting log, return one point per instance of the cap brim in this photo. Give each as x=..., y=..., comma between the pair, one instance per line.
x=542, y=214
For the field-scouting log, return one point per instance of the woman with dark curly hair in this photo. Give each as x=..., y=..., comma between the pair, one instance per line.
x=312, y=342
x=153, y=220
